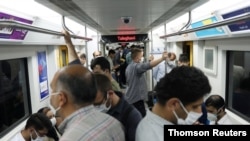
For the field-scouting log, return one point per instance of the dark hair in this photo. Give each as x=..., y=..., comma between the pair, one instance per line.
x=78, y=81
x=111, y=51
x=83, y=56
x=216, y=101
x=103, y=83
x=102, y=61
x=52, y=133
x=39, y=121
x=188, y=84
x=183, y=58
x=43, y=110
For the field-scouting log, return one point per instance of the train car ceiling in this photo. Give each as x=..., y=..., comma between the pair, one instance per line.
x=122, y=16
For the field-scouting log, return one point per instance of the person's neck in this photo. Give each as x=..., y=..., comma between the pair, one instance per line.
x=221, y=115
x=115, y=100
x=26, y=135
x=159, y=110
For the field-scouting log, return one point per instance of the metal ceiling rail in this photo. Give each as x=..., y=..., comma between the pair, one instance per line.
x=19, y=25
x=220, y=23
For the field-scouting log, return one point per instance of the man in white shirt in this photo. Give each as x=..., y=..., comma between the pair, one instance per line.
x=215, y=106
x=179, y=99
x=36, y=128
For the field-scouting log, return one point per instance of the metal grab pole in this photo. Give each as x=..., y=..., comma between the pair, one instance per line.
x=19, y=25
x=220, y=23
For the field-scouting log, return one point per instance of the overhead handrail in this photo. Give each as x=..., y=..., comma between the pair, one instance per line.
x=220, y=23
x=65, y=27
x=19, y=25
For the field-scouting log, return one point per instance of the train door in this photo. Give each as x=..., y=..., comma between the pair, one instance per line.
x=63, y=56
x=187, y=48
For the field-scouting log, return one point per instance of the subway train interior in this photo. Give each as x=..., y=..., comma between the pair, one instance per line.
x=215, y=35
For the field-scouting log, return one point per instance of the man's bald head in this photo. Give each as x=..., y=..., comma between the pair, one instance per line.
x=97, y=54
x=77, y=82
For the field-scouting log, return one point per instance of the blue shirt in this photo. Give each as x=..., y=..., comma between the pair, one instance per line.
x=160, y=70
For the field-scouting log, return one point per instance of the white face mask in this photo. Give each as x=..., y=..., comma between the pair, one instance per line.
x=212, y=118
x=103, y=108
x=53, y=110
x=53, y=121
x=191, y=118
x=38, y=138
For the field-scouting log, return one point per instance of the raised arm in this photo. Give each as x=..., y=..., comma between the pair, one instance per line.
x=71, y=49
x=155, y=62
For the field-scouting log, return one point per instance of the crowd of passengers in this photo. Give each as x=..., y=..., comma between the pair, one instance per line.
x=89, y=105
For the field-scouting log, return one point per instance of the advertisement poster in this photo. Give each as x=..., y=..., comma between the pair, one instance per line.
x=240, y=26
x=43, y=75
x=208, y=32
x=13, y=33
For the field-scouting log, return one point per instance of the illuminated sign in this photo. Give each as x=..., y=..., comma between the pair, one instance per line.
x=13, y=33
x=124, y=38
x=240, y=26
x=208, y=32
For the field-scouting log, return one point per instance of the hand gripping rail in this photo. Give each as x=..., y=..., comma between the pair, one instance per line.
x=19, y=25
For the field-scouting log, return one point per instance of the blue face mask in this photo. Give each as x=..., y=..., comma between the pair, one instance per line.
x=191, y=118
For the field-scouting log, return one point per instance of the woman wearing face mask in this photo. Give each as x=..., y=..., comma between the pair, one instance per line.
x=179, y=99
x=53, y=134
x=215, y=106
x=36, y=128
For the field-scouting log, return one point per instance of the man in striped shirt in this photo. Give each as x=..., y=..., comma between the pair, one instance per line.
x=73, y=93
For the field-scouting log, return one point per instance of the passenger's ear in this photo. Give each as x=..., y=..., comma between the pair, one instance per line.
x=63, y=99
x=172, y=103
x=110, y=93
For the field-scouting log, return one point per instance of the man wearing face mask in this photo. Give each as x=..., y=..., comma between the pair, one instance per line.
x=101, y=65
x=53, y=134
x=73, y=91
x=36, y=128
x=179, y=99
x=215, y=106
x=114, y=104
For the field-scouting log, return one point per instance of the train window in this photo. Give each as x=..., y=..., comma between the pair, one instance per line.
x=13, y=93
x=238, y=83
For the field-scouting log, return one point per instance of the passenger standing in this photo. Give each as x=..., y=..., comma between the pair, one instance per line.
x=183, y=60
x=73, y=92
x=36, y=128
x=95, y=55
x=111, y=58
x=101, y=65
x=179, y=100
x=136, y=91
x=82, y=58
x=215, y=106
x=164, y=67
x=114, y=104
